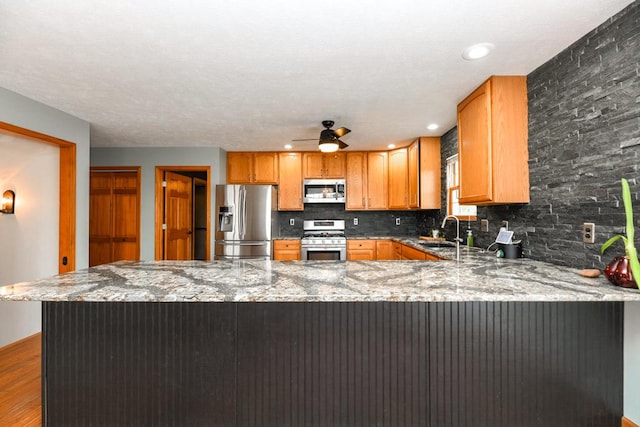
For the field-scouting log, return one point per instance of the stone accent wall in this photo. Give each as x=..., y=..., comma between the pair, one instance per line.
x=584, y=136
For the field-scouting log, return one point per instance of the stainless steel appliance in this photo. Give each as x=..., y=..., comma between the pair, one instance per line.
x=324, y=190
x=245, y=219
x=324, y=240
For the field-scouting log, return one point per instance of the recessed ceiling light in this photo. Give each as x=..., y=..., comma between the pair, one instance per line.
x=288, y=146
x=391, y=146
x=432, y=126
x=477, y=51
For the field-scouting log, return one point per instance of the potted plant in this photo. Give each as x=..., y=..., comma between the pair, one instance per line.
x=622, y=269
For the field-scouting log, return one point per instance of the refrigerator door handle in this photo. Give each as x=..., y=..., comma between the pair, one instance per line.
x=238, y=243
x=243, y=195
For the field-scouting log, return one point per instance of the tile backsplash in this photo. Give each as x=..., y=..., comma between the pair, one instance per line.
x=370, y=223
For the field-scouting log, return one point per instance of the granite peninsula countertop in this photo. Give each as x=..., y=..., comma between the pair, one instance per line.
x=477, y=277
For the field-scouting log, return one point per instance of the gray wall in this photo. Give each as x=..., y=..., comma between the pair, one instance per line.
x=584, y=136
x=148, y=159
x=18, y=320
x=26, y=113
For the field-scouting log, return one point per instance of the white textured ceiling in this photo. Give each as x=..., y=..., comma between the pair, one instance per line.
x=254, y=74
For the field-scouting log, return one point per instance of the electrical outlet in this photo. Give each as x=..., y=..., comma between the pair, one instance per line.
x=355, y=221
x=397, y=221
x=484, y=225
x=589, y=232
x=292, y=221
x=505, y=224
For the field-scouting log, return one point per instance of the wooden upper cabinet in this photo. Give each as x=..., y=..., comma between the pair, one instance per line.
x=324, y=165
x=313, y=165
x=356, y=177
x=430, y=173
x=239, y=167
x=398, y=179
x=290, y=182
x=252, y=168
x=377, y=179
x=414, y=174
x=492, y=143
x=335, y=165
x=265, y=168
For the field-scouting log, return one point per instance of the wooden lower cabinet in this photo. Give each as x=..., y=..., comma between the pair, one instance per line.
x=397, y=250
x=412, y=253
x=286, y=250
x=384, y=250
x=361, y=250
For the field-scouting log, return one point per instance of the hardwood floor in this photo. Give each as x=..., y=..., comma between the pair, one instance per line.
x=20, y=385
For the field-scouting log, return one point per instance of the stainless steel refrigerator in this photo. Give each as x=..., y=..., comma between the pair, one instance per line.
x=246, y=217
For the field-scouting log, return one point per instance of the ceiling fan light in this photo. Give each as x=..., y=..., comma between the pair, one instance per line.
x=328, y=146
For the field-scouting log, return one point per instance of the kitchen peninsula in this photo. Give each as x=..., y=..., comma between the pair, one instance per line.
x=481, y=342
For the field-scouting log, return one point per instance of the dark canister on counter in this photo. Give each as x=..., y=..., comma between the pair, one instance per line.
x=512, y=250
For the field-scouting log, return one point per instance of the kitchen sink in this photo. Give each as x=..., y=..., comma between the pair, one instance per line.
x=441, y=244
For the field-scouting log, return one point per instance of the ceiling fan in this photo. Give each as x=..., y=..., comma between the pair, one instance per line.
x=329, y=140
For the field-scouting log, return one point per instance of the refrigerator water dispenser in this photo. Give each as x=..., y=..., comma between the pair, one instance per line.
x=225, y=218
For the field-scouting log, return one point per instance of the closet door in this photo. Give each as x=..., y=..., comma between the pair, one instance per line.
x=114, y=215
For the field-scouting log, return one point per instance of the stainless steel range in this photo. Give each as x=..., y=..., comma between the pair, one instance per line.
x=324, y=239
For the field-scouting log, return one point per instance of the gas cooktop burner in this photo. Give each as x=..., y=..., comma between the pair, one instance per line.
x=323, y=234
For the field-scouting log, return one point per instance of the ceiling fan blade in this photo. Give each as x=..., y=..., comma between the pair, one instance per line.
x=342, y=145
x=340, y=132
x=298, y=140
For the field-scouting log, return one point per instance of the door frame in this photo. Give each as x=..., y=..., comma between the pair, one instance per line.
x=67, y=194
x=159, y=206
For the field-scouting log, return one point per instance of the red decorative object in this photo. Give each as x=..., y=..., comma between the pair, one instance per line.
x=618, y=272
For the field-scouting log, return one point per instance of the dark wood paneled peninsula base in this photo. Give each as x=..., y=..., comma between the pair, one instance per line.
x=333, y=364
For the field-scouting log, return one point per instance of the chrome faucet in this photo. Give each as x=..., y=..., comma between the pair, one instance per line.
x=458, y=239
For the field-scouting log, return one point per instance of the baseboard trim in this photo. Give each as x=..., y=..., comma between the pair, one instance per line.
x=626, y=422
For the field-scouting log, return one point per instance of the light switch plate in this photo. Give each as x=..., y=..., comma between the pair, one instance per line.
x=292, y=221
x=484, y=225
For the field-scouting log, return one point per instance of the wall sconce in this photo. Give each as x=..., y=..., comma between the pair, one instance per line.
x=8, y=202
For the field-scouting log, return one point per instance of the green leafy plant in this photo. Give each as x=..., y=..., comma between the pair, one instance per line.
x=629, y=247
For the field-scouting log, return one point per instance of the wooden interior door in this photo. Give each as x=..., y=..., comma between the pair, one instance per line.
x=100, y=218
x=126, y=243
x=114, y=216
x=178, y=241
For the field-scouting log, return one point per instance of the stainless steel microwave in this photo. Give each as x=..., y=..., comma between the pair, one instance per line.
x=324, y=190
